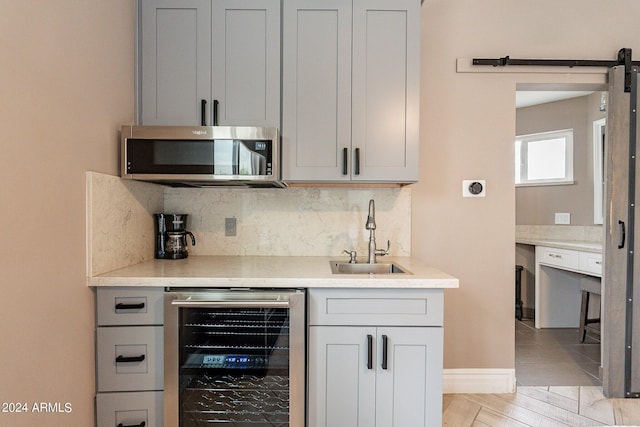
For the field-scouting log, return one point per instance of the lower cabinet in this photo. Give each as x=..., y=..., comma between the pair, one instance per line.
x=374, y=374
x=129, y=357
x=129, y=409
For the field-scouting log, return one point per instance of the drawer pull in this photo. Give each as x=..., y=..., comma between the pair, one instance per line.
x=385, y=348
x=123, y=359
x=122, y=306
x=623, y=234
x=598, y=262
x=369, y=352
x=142, y=424
x=555, y=256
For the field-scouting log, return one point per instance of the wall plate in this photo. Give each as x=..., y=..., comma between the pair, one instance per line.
x=474, y=188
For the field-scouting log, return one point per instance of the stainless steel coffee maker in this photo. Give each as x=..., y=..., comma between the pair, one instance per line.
x=171, y=236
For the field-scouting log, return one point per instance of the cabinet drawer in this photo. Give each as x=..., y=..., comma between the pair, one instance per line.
x=129, y=409
x=129, y=306
x=130, y=358
x=558, y=257
x=388, y=307
x=591, y=263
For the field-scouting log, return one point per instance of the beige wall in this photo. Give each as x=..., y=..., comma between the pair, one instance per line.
x=467, y=131
x=66, y=84
x=538, y=204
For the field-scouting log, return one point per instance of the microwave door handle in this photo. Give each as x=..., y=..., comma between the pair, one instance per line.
x=203, y=112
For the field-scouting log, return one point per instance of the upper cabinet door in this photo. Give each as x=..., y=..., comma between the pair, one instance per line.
x=246, y=62
x=386, y=89
x=174, y=61
x=316, y=75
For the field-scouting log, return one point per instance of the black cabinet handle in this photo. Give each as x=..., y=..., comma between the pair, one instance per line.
x=142, y=424
x=623, y=234
x=123, y=359
x=123, y=306
x=203, y=112
x=356, y=169
x=215, y=112
x=369, y=352
x=345, y=164
x=385, y=348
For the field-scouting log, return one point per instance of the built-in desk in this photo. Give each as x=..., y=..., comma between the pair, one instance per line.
x=559, y=266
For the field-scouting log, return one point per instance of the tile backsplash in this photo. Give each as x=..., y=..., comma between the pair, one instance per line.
x=119, y=221
x=298, y=221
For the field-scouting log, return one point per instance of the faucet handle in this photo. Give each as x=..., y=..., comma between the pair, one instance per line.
x=352, y=256
x=383, y=252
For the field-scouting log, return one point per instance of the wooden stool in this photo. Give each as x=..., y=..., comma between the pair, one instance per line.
x=588, y=286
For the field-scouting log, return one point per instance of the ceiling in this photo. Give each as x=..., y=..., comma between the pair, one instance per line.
x=528, y=98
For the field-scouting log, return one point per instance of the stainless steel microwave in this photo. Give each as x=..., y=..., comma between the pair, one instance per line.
x=202, y=156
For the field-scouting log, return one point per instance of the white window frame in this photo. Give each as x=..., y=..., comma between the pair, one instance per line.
x=521, y=144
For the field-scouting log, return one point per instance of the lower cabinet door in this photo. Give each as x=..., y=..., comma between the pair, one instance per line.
x=129, y=409
x=409, y=377
x=341, y=382
x=375, y=376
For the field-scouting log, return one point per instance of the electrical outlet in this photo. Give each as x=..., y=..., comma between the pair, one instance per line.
x=230, y=227
x=563, y=218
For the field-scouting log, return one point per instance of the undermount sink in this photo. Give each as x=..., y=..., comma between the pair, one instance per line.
x=339, y=267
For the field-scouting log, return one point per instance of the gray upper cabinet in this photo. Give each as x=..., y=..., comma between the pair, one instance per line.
x=174, y=61
x=192, y=51
x=351, y=80
x=316, y=92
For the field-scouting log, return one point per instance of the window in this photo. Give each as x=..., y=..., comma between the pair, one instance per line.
x=545, y=158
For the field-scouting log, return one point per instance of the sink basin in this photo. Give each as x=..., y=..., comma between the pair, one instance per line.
x=339, y=267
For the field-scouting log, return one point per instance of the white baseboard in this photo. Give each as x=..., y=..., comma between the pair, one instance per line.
x=479, y=381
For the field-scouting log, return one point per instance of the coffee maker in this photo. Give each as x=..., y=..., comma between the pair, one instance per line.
x=171, y=236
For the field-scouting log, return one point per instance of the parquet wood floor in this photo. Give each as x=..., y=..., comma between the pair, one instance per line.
x=540, y=406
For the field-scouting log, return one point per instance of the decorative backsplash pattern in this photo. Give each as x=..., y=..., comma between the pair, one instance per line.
x=299, y=221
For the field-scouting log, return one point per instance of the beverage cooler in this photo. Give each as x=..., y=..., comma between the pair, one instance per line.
x=234, y=358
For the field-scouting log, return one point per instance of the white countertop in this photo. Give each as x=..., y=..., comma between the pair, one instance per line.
x=582, y=246
x=272, y=272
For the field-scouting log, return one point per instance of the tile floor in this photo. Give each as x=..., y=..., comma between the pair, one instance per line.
x=555, y=357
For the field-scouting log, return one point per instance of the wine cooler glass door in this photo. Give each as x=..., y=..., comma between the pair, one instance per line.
x=237, y=359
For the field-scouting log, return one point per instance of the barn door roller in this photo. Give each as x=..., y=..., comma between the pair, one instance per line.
x=624, y=58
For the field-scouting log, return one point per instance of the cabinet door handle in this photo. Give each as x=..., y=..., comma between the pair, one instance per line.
x=385, y=348
x=142, y=424
x=215, y=112
x=356, y=169
x=203, y=112
x=123, y=359
x=123, y=306
x=623, y=234
x=369, y=351
x=345, y=164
